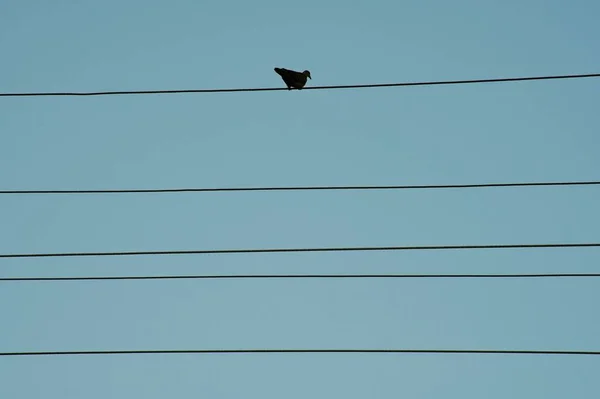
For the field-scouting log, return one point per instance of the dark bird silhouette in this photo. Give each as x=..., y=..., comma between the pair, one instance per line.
x=293, y=79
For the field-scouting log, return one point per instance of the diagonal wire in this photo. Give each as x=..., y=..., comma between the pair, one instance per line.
x=279, y=250
x=360, y=86
x=304, y=188
x=300, y=276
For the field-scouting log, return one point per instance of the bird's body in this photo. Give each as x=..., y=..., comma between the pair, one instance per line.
x=293, y=79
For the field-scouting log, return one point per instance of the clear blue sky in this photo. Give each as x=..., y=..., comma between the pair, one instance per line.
x=532, y=131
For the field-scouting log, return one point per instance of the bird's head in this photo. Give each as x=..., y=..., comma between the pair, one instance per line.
x=307, y=74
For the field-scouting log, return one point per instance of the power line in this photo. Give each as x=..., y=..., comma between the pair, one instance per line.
x=275, y=250
x=266, y=351
x=302, y=276
x=431, y=83
x=302, y=188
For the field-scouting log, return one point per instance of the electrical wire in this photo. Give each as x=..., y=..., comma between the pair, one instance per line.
x=264, y=351
x=303, y=188
x=277, y=250
x=362, y=86
x=300, y=276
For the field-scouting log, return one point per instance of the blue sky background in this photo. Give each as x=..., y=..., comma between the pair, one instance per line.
x=513, y=132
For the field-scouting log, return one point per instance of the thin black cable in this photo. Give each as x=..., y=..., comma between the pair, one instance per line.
x=432, y=83
x=264, y=351
x=301, y=276
x=300, y=188
x=275, y=250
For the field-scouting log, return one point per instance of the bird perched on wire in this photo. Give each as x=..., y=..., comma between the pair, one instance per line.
x=293, y=79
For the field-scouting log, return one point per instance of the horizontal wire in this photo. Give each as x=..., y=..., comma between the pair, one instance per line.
x=301, y=276
x=224, y=351
x=300, y=188
x=276, y=250
x=431, y=83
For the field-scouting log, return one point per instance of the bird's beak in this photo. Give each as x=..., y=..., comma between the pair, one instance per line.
x=309, y=77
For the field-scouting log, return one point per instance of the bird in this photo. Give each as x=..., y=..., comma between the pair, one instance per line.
x=293, y=79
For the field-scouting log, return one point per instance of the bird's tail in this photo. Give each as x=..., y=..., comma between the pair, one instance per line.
x=280, y=71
